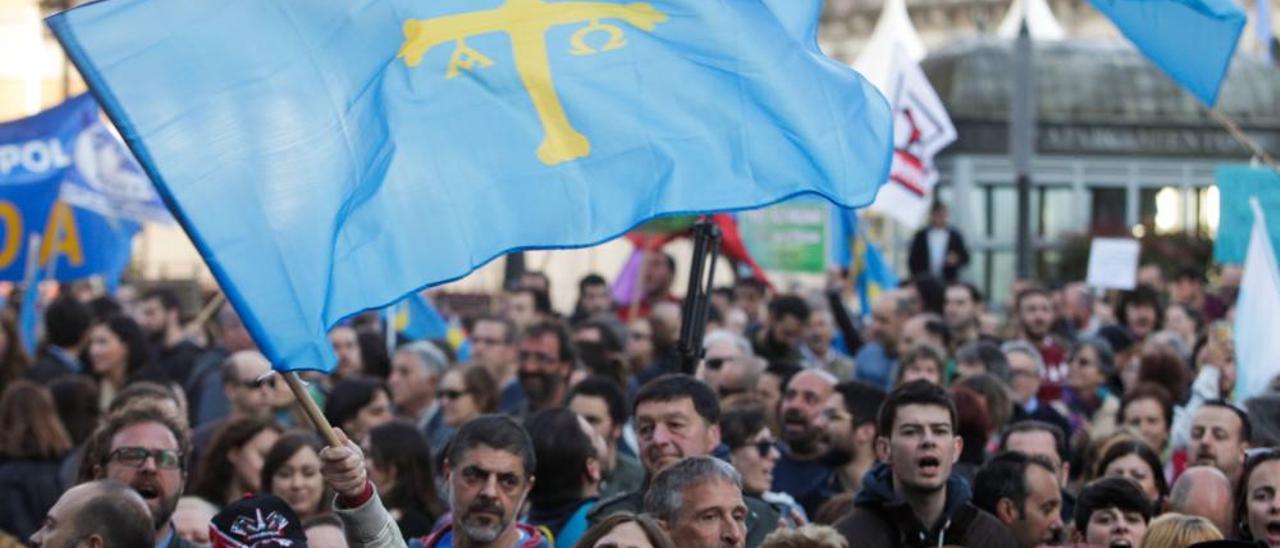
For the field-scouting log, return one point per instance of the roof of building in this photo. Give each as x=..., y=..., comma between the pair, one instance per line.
x=1081, y=82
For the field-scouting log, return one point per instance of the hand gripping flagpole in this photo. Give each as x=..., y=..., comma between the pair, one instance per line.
x=310, y=409
x=693, y=322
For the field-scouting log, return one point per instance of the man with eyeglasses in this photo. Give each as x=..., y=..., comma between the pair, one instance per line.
x=493, y=347
x=489, y=473
x=249, y=390
x=145, y=447
x=546, y=359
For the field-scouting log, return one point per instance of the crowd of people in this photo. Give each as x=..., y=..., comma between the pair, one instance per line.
x=1072, y=417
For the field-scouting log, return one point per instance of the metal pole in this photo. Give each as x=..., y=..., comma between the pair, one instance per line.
x=1022, y=141
x=706, y=244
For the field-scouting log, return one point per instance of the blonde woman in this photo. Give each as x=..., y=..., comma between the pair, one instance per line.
x=1179, y=531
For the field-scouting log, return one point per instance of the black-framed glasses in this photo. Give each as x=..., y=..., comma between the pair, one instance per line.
x=452, y=394
x=765, y=447
x=167, y=459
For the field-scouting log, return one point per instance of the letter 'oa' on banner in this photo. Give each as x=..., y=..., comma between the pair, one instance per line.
x=332, y=156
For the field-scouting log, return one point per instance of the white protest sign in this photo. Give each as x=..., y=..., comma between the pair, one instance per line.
x=1113, y=263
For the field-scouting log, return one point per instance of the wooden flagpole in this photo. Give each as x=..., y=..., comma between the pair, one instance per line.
x=1243, y=138
x=310, y=409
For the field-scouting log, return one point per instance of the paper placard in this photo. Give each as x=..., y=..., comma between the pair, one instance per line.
x=1113, y=263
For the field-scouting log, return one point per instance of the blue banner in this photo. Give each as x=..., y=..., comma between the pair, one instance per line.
x=1190, y=40
x=1236, y=185
x=332, y=156
x=38, y=157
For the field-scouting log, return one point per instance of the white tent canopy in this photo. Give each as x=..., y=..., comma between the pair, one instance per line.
x=1040, y=21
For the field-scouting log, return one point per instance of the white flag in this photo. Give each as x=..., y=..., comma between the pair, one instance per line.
x=921, y=129
x=1257, y=313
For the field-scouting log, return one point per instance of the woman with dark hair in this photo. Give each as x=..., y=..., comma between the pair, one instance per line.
x=1258, y=498
x=291, y=471
x=14, y=361
x=373, y=355
x=996, y=396
x=400, y=467
x=627, y=530
x=76, y=398
x=1087, y=401
x=357, y=404
x=118, y=350
x=33, y=443
x=1134, y=459
x=1148, y=411
x=1160, y=365
x=233, y=464
x=973, y=425
x=466, y=393
x=754, y=452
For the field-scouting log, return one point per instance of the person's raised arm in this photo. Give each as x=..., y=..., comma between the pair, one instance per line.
x=366, y=521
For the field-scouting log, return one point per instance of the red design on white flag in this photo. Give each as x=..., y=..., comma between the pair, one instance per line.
x=921, y=129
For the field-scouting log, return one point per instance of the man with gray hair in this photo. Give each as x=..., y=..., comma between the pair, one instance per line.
x=1026, y=371
x=1206, y=492
x=104, y=513
x=699, y=502
x=729, y=366
x=416, y=369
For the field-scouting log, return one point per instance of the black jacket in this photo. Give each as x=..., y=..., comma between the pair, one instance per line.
x=880, y=518
x=28, y=489
x=918, y=260
x=48, y=368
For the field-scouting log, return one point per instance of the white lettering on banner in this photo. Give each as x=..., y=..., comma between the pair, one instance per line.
x=33, y=156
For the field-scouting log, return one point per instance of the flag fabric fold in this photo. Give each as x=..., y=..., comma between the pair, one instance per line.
x=1257, y=347
x=1190, y=40
x=333, y=156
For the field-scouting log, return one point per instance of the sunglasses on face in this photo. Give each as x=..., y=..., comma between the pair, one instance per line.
x=765, y=447
x=167, y=459
x=452, y=394
x=715, y=364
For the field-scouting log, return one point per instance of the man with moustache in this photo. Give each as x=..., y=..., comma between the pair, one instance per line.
x=799, y=472
x=488, y=472
x=911, y=498
x=849, y=423
x=545, y=361
x=145, y=447
x=1220, y=435
x=677, y=416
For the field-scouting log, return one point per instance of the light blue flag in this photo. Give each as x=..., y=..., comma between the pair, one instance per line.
x=418, y=320
x=331, y=156
x=1238, y=185
x=871, y=274
x=1191, y=40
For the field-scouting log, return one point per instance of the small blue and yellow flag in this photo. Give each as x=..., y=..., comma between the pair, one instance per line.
x=331, y=156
